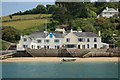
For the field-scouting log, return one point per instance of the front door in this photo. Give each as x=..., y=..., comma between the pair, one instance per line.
x=78, y=46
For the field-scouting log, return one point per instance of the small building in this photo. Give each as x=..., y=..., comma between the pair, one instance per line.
x=108, y=12
x=72, y=40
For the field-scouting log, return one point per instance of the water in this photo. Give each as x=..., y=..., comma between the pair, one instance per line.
x=57, y=70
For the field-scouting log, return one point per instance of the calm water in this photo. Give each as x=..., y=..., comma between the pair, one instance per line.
x=57, y=70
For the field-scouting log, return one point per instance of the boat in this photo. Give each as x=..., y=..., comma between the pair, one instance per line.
x=68, y=59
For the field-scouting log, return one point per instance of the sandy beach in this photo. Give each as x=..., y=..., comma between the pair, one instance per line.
x=58, y=59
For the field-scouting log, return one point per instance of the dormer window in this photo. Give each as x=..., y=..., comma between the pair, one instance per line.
x=24, y=39
x=51, y=35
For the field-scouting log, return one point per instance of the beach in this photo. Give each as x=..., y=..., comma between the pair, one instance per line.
x=59, y=59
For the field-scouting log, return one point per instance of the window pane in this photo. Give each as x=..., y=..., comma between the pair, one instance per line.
x=87, y=45
x=95, y=39
x=95, y=45
x=24, y=39
x=88, y=40
x=56, y=40
x=68, y=40
x=39, y=41
x=80, y=40
x=47, y=41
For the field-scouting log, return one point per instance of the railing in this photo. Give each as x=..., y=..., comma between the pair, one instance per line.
x=6, y=54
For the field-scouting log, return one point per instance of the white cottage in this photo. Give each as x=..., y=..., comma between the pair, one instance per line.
x=108, y=12
x=73, y=40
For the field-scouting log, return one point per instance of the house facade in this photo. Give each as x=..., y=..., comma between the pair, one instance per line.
x=108, y=12
x=72, y=40
x=83, y=40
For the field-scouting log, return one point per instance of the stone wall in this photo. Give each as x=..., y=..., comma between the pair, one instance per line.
x=67, y=53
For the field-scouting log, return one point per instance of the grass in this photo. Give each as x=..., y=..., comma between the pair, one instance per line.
x=22, y=17
x=22, y=22
x=20, y=25
x=4, y=45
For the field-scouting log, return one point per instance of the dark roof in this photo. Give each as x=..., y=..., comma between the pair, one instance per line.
x=59, y=35
x=38, y=34
x=85, y=34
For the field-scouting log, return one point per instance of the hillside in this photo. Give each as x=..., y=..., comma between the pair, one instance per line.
x=77, y=16
x=22, y=22
x=4, y=45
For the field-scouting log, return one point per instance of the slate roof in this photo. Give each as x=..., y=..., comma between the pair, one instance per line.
x=110, y=10
x=59, y=35
x=38, y=34
x=85, y=34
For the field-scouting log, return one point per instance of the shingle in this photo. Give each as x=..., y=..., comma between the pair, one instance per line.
x=85, y=34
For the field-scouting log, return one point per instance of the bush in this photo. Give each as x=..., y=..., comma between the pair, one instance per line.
x=10, y=34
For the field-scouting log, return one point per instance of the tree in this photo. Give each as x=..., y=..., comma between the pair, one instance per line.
x=60, y=15
x=10, y=34
x=51, y=9
x=41, y=9
x=10, y=16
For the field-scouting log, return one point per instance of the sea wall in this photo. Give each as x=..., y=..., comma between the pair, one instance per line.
x=67, y=53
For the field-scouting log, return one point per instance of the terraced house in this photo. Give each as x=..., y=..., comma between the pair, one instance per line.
x=71, y=40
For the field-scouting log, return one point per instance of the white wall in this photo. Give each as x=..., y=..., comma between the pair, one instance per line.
x=108, y=15
x=62, y=41
x=22, y=42
x=73, y=38
x=52, y=44
x=91, y=43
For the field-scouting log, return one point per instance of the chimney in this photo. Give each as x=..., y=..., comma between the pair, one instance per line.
x=107, y=8
x=71, y=30
x=117, y=9
x=99, y=33
x=21, y=36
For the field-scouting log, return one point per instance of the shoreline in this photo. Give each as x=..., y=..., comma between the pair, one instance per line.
x=59, y=59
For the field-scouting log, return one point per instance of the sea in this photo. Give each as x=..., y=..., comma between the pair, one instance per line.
x=61, y=70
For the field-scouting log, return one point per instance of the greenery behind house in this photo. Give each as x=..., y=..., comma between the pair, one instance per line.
x=78, y=16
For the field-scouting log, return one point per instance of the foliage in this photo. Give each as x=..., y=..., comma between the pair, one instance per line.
x=4, y=45
x=61, y=15
x=39, y=9
x=77, y=15
x=86, y=25
x=10, y=34
x=51, y=9
x=10, y=16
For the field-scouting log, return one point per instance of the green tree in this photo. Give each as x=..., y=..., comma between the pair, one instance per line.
x=51, y=9
x=61, y=15
x=10, y=34
x=10, y=16
x=41, y=9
